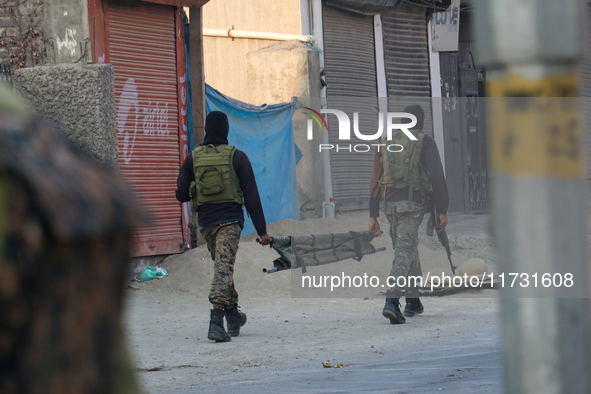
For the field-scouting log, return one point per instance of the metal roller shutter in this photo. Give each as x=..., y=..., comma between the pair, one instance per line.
x=142, y=50
x=406, y=54
x=351, y=87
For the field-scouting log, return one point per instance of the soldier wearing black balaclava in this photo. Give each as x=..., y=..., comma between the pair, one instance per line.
x=218, y=180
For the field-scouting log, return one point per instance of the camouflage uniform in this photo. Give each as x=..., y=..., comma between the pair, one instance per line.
x=65, y=236
x=405, y=217
x=222, y=242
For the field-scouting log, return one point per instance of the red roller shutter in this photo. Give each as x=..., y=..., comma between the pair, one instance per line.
x=142, y=47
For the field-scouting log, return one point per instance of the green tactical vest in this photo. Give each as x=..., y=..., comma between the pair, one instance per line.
x=404, y=169
x=215, y=178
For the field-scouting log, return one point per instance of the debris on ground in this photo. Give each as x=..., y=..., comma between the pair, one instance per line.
x=149, y=272
x=327, y=364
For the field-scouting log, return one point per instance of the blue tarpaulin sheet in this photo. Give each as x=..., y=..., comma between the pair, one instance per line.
x=265, y=134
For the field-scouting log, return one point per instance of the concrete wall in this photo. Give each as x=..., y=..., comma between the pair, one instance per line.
x=36, y=32
x=276, y=74
x=66, y=24
x=224, y=58
x=268, y=72
x=80, y=99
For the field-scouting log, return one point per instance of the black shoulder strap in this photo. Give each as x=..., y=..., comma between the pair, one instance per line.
x=357, y=244
x=298, y=258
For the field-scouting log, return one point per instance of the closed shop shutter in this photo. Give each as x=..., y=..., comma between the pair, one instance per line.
x=142, y=50
x=351, y=87
x=406, y=54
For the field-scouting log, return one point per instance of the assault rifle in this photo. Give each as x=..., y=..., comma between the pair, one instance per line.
x=442, y=235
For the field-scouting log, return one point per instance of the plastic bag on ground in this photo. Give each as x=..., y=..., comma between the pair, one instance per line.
x=151, y=272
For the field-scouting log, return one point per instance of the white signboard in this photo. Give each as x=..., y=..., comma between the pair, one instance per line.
x=446, y=28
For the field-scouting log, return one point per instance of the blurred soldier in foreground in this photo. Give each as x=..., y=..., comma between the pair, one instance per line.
x=218, y=180
x=401, y=185
x=65, y=226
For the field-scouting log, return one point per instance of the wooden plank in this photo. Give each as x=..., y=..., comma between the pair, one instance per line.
x=181, y=63
x=180, y=3
x=197, y=76
x=98, y=36
x=197, y=84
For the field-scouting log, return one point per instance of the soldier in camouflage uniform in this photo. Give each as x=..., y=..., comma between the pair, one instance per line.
x=65, y=238
x=401, y=183
x=222, y=243
x=218, y=180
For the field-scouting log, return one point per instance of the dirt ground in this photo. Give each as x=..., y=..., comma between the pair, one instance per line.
x=167, y=319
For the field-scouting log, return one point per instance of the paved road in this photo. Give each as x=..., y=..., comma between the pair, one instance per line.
x=473, y=355
x=453, y=347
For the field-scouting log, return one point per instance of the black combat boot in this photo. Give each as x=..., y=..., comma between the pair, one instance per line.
x=235, y=319
x=413, y=307
x=216, y=327
x=392, y=311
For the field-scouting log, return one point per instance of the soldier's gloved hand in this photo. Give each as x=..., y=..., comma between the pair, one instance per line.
x=265, y=239
x=374, y=226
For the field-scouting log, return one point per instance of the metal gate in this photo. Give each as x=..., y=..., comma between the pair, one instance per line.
x=351, y=87
x=142, y=47
x=406, y=55
x=473, y=125
x=466, y=156
x=454, y=139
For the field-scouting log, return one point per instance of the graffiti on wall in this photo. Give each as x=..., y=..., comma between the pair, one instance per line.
x=128, y=114
x=155, y=119
x=69, y=43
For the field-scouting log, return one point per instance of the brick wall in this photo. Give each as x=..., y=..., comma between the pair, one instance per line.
x=8, y=30
x=22, y=42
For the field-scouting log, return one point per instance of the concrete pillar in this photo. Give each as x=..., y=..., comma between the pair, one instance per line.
x=531, y=49
x=80, y=100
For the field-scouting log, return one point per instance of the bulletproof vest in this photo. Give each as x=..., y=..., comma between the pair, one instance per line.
x=215, y=178
x=404, y=168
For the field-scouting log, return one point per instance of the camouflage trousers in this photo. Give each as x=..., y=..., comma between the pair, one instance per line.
x=222, y=242
x=405, y=217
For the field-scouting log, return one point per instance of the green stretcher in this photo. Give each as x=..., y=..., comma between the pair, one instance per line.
x=303, y=251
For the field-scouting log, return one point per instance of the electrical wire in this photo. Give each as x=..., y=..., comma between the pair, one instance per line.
x=426, y=4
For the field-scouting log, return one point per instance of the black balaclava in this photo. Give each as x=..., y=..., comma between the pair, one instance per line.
x=216, y=129
x=417, y=111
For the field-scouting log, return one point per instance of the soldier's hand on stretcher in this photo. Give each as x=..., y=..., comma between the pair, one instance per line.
x=265, y=239
x=374, y=226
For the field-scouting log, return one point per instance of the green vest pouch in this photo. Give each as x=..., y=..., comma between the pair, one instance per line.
x=215, y=178
x=404, y=169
